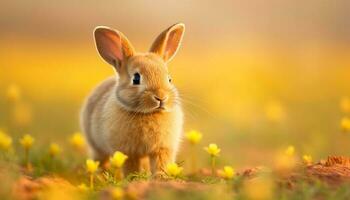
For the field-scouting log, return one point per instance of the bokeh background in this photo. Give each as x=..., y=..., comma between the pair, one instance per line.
x=255, y=76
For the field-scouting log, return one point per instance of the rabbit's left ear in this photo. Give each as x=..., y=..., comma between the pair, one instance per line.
x=112, y=45
x=168, y=42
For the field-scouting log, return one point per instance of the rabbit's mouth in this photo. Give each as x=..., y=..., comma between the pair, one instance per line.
x=145, y=103
x=160, y=107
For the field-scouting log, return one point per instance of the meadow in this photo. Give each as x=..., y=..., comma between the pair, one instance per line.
x=44, y=167
x=264, y=86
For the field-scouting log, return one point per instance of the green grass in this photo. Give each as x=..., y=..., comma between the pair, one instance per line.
x=70, y=166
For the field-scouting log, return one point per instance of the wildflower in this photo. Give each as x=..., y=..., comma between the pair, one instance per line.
x=345, y=105
x=117, y=193
x=290, y=150
x=173, y=170
x=118, y=159
x=227, y=173
x=307, y=159
x=27, y=141
x=77, y=141
x=5, y=141
x=91, y=168
x=194, y=136
x=54, y=149
x=345, y=124
x=213, y=149
x=13, y=93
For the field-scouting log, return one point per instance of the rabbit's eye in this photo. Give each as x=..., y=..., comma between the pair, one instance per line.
x=137, y=79
x=169, y=79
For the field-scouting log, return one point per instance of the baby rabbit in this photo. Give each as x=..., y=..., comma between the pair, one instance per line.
x=138, y=111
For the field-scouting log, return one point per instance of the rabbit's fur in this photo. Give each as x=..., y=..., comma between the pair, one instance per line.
x=141, y=120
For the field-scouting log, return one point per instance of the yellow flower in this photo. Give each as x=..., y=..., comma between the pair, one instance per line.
x=118, y=159
x=345, y=105
x=290, y=150
x=77, y=141
x=194, y=136
x=228, y=172
x=91, y=165
x=173, y=170
x=307, y=159
x=117, y=193
x=27, y=141
x=54, y=149
x=13, y=93
x=83, y=187
x=5, y=141
x=213, y=149
x=345, y=124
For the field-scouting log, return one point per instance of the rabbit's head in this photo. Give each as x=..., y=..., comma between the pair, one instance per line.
x=144, y=83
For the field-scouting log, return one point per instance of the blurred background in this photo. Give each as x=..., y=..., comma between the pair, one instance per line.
x=255, y=76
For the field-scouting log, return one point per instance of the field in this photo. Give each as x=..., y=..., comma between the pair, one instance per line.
x=266, y=82
x=46, y=167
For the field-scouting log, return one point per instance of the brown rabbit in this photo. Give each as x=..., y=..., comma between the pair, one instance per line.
x=137, y=112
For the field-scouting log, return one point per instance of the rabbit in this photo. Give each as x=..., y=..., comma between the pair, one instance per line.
x=138, y=111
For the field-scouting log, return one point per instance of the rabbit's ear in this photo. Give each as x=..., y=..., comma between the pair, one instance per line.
x=112, y=45
x=168, y=42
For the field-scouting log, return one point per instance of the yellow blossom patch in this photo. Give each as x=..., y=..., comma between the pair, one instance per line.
x=213, y=149
x=54, y=149
x=118, y=159
x=307, y=159
x=194, y=136
x=92, y=166
x=290, y=150
x=27, y=141
x=227, y=172
x=173, y=170
x=5, y=141
x=77, y=141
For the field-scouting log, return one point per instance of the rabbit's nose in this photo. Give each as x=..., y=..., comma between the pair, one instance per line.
x=161, y=99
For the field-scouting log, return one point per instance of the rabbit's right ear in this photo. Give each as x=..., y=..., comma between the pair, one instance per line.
x=168, y=42
x=112, y=45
